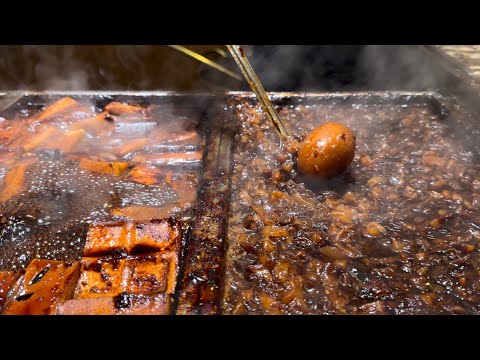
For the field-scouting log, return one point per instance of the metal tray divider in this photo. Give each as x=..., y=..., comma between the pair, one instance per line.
x=199, y=287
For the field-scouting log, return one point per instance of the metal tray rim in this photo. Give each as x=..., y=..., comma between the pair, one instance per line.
x=224, y=93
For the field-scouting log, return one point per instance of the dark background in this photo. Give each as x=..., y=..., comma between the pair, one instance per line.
x=158, y=67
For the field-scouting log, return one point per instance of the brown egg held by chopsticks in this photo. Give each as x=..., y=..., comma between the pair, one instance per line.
x=326, y=151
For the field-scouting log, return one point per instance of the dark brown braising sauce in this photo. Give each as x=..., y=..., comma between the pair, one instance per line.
x=396, y=233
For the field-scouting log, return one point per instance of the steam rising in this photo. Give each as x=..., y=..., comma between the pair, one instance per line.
x=280, y=68
x=347, y=68
x=399, y=67
x=100, y=67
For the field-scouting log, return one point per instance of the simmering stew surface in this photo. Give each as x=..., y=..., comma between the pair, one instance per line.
x=96, y=200
x=397, y=233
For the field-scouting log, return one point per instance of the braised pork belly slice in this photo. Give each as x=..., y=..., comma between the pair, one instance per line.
x=45, y=283
x=122, y=304
x=133, y=237
x=139, y=274
x=7, y=281
x=156, y=235
x=151, y=273
x=108, y=239
x=101, y=277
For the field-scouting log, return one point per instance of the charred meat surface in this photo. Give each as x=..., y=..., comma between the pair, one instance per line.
x=152, y=273
x=128, y=237
x=130, y=257
x=141, y=274
x=99, y=277
x=109, y=239
x=156, y=235
x=44, y=284
x=397, y=233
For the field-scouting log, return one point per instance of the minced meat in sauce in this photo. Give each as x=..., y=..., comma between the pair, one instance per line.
x=396, y=233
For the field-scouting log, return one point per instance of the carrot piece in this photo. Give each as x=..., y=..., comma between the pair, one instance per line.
x=132, y=146
x=37, y=140
x=62, y=106
x=144, y=175
x=67, y=141
x=14, y=182
x=117, y=108
x=95, y=124
x=115, y=168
